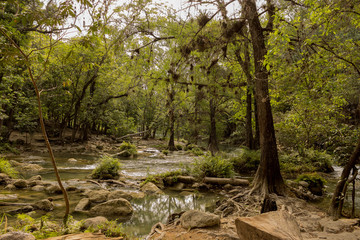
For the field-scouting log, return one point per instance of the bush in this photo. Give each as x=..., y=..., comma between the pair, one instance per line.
x=213, y=167
x=8, y=148
x=309, y=160
x=196, y=151
x=127, y=149
x=315, y=181
x=5, y=167
x=109, y=229
x=156, y=178
x=165, y=152
x=107, y=169
x=247, y=161
x=178, y=147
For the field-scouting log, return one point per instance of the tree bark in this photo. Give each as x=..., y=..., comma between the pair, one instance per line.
x=171, y=96
x=338, y=197
x=268, y=178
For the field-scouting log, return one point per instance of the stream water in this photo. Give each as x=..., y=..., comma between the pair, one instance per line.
x=147, y=211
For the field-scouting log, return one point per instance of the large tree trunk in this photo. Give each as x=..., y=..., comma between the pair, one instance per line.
x=338, y=197
x=268, y=178
x=171, y=97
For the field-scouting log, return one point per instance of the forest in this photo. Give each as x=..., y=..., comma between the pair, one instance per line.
x=269, y=90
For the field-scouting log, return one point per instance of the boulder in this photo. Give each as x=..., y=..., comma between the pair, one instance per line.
x=4, y=179
x=44, y=205
x=54, y=189
x=83, y=205
x=8, y=197
x=341, y=225
x=113, y=208
x=35, y=178
x=198, y=219
x=150, y=188
x=20, y=183
x=276, y=225
x=119, y=194
x=26, y=167
x=178, y=186
x=72, y=160
x=98, y=196
x=137, y=195
x=38, y=188
x=10, y=187
x=17, y=236
x=93, y=222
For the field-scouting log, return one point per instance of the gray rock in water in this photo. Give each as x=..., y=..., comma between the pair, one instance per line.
x=20, y=183
x=35, y=178
x=10, y=187
x=93, y=222
x=279, y=225
x=83, y=205
x=54, y=189
x=38, y=188
x=137, y=195
x=4, y=179
x=17, y=236
x=113, y=208
x=98, y=196
x=178, y=186
x=151, y=188
x=44, y=205
x=198, y=219
x=119, y=194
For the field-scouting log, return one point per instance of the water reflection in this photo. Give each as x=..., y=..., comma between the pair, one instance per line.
x=153, y=209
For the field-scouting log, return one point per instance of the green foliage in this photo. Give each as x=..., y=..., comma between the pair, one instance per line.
x=165, y=152
x=108, y=168
x=178, y=147
x=155, y=178
x=194, y=150
x=247, y=161
x=109, y=229
x=7, y=147
x=315, y=181
x=309, y=160
x=128, y=147
x=216, y=166
x=5, y=167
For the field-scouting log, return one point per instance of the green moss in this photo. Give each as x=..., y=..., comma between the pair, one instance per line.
x=155, y=178
x=5, y=167
x=209, y=166
x=108, y=168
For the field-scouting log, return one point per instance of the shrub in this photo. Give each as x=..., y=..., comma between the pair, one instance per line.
x=213, y=167
x=247, y=161
x=178, y=147
x=165, y=152
x=6, y=148
x=5, y=167
x=196, y=151
x=129, y=148
x=107, y=169
x=309, y=160
x=315, y=181
x=109, y=229
x=156, y=178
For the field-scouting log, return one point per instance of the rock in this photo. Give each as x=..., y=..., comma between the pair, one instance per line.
x=186, y=193
x=150, y=188
x=24, y=209
x=228, y=187
x=54, y=189
x=178, y=186
x=137, y=195
x=93, y=222
x=201, y=186
x=26, y=167
x=72, y=160
x=304, y=184
x=338, y=226
x=8, y=197
x=44, y=205
x=160, y=184
x=17, y=236
x=10, y=187
x=279, y=225
x=71, y=188
x=20, y=183
x=98, y=196
x=198, y=219
x=38, y=188
x=35, y=178
x=84, y=236
x=119, y=194
x=83, y=205
x=113, y=208
x=4, y=179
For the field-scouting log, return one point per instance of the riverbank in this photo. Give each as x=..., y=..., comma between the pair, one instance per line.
x=313, y=222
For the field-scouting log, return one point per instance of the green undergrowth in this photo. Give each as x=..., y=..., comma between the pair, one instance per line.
x=212, y=166
x=246, y=161
x=156, y=178
x=5, y=167
x=108, y=168
x=128, y=148
x=8, y=148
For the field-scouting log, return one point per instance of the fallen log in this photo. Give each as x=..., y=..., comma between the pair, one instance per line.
x=14, y=204
x=224, y=181
x=183, y=179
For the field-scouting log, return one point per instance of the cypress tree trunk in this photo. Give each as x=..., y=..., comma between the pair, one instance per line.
x=213, y=143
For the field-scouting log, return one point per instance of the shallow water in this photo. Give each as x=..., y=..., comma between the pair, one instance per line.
x=147, y=211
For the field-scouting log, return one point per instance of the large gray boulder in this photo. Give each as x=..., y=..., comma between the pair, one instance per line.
x=119, y=194
x=20, y=183
x=4, y=179
x=98, y=196
x=276, y=225
x=151, y=188
x=198, y=219
x=93, y=222
x=113, y=208
x=17, y=236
